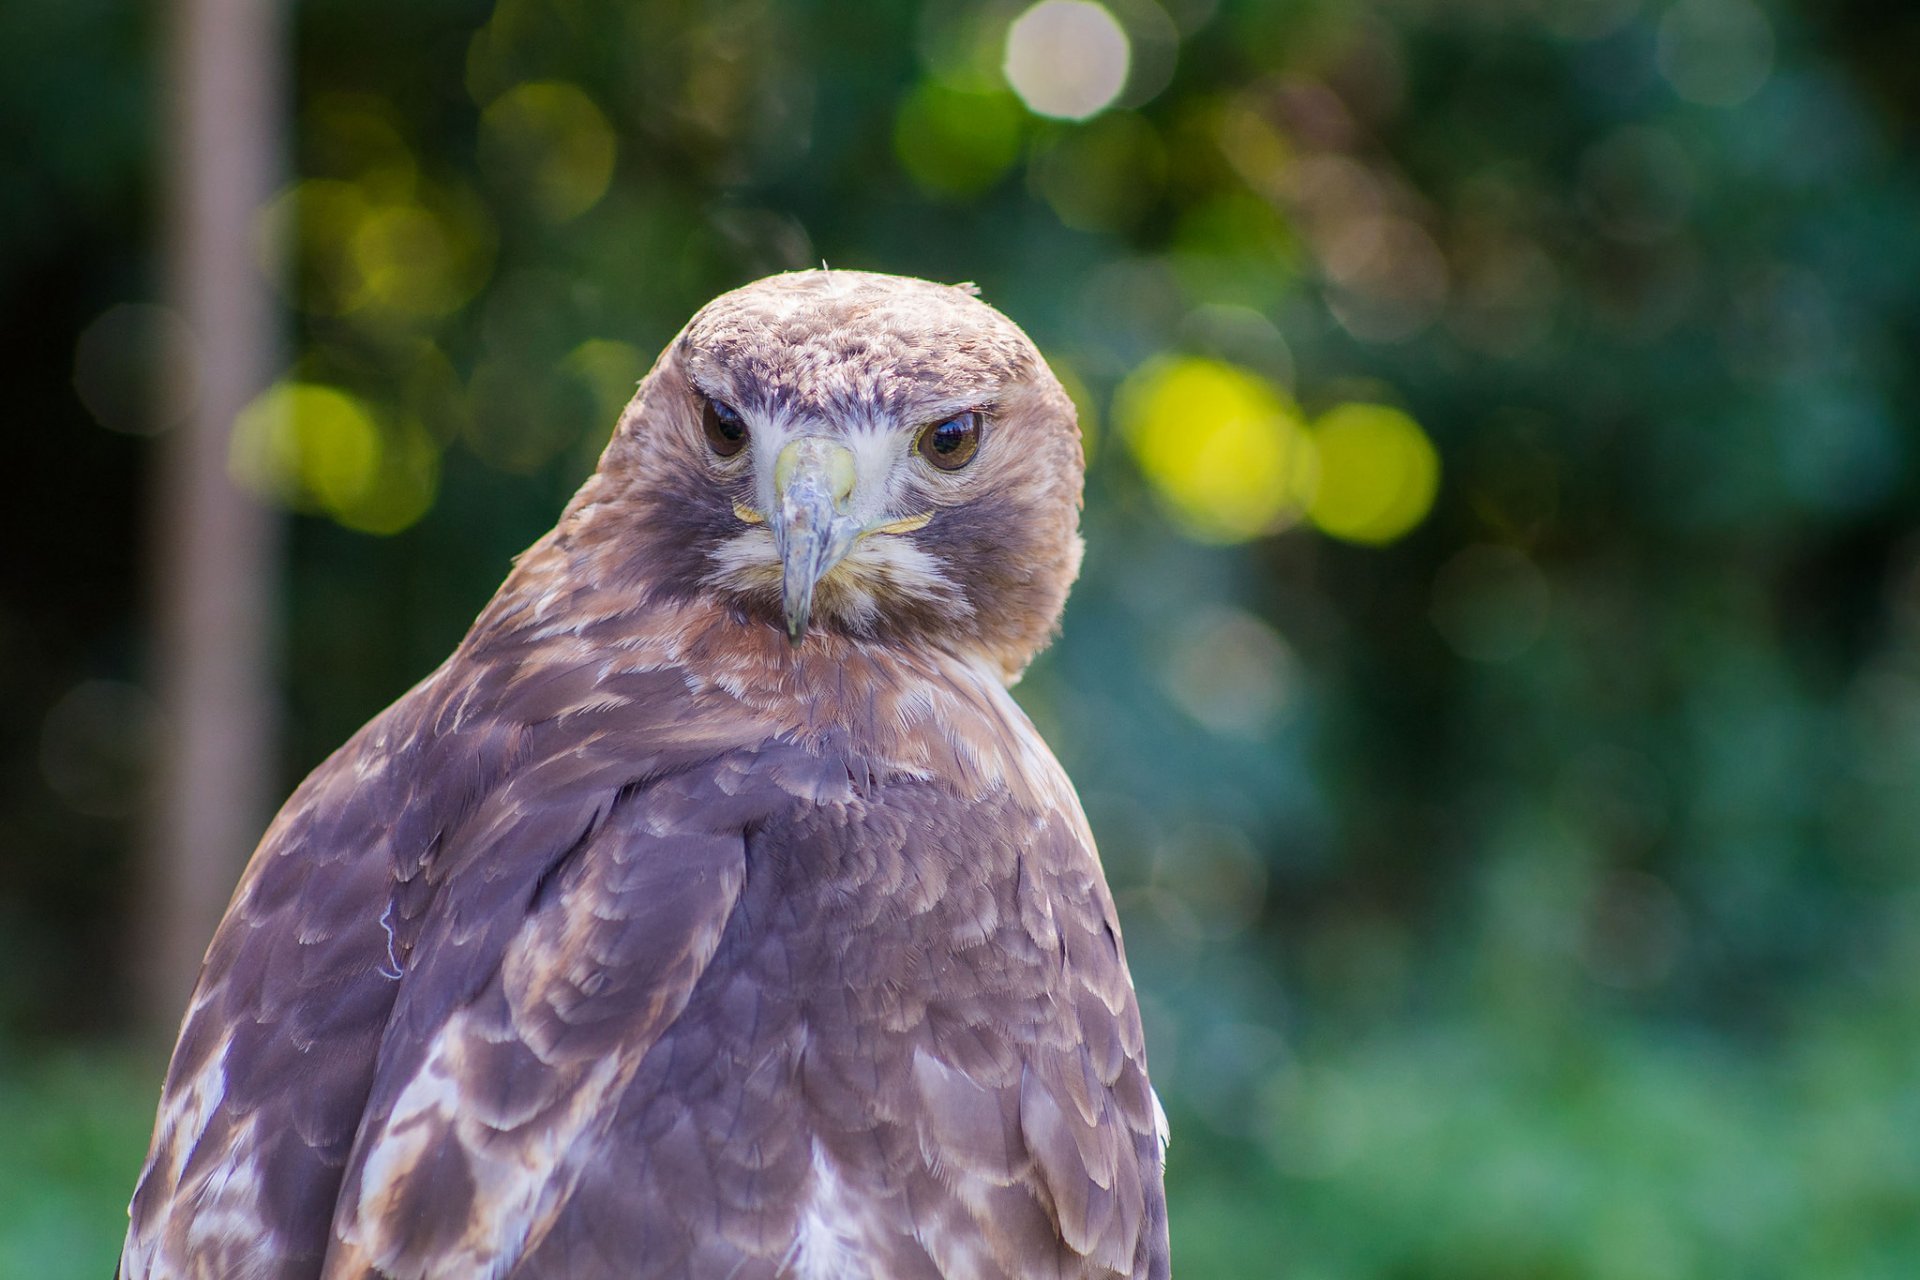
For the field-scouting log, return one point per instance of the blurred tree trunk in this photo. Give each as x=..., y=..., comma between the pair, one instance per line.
x=217, y=549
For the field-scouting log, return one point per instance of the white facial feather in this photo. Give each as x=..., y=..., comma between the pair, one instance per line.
x=880, y=564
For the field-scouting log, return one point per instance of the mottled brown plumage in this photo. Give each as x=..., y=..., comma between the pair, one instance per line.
x=643, y=940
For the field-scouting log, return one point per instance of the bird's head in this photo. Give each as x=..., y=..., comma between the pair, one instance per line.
x=838, y=453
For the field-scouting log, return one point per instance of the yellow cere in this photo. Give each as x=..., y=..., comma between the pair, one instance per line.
x=833, y=461
x=319, y=449
x=1378, y=474
x=909, y=524
x=1224, y=449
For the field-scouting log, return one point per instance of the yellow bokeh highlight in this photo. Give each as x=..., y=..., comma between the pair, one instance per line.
x=612, y=370
x=1379, y=474
x=309, y=446
x=319, y=449
x=1223, y=448
x=548, y=139
x=357, y=137
x=403, y=259
x=358, y=251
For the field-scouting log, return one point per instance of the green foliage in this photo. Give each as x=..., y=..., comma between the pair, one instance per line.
x=76, y=1125
x=1590, y=1148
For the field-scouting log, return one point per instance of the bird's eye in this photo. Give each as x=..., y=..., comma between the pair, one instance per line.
x=950, y=445
x=726, y=429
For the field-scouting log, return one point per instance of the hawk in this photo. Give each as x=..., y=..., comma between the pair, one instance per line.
x=713, y=911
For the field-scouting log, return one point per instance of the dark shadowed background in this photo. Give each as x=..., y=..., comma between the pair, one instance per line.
x=1495, y=683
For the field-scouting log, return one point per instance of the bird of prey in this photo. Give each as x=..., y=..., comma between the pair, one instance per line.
x=713, y=911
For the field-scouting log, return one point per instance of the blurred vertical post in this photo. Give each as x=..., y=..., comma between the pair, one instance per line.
x=217, y=549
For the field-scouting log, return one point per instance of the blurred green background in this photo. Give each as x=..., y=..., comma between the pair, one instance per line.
x=1495, y=682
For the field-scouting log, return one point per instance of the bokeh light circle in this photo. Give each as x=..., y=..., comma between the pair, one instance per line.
x=321, y=449
x=1223, y=448
x=1067, y=58
x=549, y=140
x=1378, y=474
x=955, y=144
x=1717, y=53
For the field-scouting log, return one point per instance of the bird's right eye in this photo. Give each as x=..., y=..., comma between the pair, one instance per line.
x=726, y=429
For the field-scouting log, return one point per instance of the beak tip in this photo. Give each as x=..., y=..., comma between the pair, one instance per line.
x=795, y=620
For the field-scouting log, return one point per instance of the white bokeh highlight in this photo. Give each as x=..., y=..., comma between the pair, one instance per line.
x=1067, y=58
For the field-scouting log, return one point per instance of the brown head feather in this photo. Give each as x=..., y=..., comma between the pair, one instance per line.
x=874, y=359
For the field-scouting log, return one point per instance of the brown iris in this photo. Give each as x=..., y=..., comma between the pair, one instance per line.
x=726, y=429
x=950, y=445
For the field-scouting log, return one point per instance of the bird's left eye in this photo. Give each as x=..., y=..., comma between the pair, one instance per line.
x=950, y=445
x=726, y=429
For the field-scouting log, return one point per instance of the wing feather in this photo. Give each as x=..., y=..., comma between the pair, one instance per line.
x=551, y=989
x=486, y=1117
x=265, y=1088
x=1073, y=1138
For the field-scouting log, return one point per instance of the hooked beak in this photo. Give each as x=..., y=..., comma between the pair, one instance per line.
x=812, y=480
